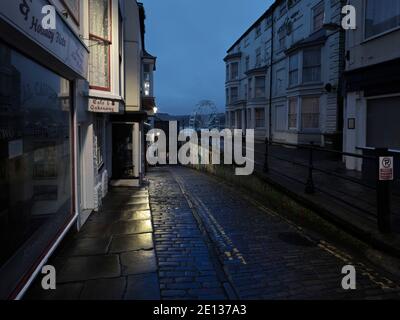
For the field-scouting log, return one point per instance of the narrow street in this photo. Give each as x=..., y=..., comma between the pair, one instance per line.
x=209, y=242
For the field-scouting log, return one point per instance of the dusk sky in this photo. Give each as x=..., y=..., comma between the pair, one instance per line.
x=190, y=39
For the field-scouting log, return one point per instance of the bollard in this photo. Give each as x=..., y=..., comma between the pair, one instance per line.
x=310, y=189
x=266, y=166
x=383, y=191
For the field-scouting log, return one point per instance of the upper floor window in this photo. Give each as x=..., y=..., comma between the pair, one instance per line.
x=258, y=30
x=260, y=87
x=258, y=57
x=227, y=95
x=381, y=17
x=267, y=56
x=245, y=91
x=247, y=63
x=318, y=16
x=100, y=36
x=234, y=94
x=293, y=70
x=250, y=87
x=268, y=22
x=227, y=72
x=282, y=8
x=310, y=113
x=234, y=70
x=282, y=38
x=312, y=65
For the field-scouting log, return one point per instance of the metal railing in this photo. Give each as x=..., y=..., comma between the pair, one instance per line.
x=382, y=189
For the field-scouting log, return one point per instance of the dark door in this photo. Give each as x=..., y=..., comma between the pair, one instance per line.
x=122, y=152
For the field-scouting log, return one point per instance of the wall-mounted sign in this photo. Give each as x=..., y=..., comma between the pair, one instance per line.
x=103, y=106
x=26, y=16
x=351, y=123
x=386, y=169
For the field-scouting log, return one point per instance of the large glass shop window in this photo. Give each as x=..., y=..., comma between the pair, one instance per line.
x=35, y=164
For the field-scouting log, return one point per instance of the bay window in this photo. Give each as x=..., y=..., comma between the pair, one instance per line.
x=292, y=113
x=234, y=94
x=312, y=65
x=293, y=70
x=250, y=87
x=100, y=40
x=381, y=17
x=310, y=113
x=260, y=117
x=234, y=70
x=260, y=87
x=258, y=57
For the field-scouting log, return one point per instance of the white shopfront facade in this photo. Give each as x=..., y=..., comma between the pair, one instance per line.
x=42, y=90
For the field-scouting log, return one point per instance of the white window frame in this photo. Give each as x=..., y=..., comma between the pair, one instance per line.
x=313, y=29
x=319, y=114
x=291, y=128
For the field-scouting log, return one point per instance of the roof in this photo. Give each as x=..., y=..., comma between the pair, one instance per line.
x=268, y=12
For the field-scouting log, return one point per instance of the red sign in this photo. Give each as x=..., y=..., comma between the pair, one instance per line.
x=386, y=169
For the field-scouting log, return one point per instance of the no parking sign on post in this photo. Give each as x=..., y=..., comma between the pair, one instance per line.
x=386, y=169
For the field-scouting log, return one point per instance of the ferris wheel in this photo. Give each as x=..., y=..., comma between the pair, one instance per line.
x=204, y=116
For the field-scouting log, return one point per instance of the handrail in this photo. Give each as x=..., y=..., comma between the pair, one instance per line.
x=316, y=148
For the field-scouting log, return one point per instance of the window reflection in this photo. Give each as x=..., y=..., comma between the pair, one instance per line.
x=35, y=161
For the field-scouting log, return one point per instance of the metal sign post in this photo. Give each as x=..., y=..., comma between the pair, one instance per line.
x=385, y=177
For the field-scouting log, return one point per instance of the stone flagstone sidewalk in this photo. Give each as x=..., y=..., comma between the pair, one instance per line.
x=111, y=258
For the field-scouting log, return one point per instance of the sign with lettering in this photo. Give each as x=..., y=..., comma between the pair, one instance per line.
x=26, y=16
x=103, y=106
x=386, y=169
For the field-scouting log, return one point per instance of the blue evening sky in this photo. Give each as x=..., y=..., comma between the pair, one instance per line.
x=190, y=39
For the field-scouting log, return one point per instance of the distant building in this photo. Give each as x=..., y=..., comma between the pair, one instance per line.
x=282, y=74
x=372, y=79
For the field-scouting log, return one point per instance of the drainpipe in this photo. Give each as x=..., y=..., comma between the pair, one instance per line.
x=270, y=79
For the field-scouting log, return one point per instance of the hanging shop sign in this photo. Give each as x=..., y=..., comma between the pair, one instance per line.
x=26, y=16
x=103, y=106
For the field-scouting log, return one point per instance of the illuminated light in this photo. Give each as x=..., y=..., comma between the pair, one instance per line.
x=155, y=109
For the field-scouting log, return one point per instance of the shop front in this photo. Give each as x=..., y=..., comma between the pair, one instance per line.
x=37, y=141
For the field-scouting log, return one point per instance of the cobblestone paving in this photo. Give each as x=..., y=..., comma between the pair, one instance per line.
x=213, y=243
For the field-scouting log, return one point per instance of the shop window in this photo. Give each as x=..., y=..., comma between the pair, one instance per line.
x=35, y=164
x=100, y=43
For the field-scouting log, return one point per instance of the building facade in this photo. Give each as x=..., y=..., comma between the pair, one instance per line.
x=282, y=74
x=372, y=79
x=65, y=93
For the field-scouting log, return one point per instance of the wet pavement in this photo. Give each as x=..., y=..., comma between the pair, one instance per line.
x=190, y=236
